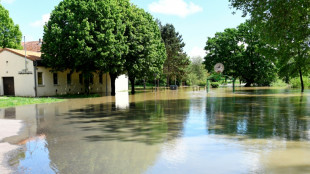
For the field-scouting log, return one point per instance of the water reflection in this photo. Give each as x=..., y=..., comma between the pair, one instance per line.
x=168, y=132
x=260, y=117
x=34, y=158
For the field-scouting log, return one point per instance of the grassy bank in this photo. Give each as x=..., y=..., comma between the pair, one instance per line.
x=17, y=101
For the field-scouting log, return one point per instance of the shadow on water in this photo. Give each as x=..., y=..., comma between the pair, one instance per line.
x=147, y=122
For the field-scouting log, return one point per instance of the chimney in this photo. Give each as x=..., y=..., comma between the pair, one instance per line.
x=40, y=40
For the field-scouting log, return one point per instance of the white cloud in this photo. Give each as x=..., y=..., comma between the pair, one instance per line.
x=7, y=1
x=41, y=23
x=197, y=52
x=174, y=7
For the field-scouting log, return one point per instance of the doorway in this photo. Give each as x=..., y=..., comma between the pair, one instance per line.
x=8, y=86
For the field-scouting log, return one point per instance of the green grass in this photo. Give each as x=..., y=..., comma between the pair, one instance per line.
x=17, y=101
x=68, y=96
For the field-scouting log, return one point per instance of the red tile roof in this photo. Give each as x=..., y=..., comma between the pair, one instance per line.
x=32, y=46
x=31, y=55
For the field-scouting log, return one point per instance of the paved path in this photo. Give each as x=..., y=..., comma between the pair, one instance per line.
x=7, y=128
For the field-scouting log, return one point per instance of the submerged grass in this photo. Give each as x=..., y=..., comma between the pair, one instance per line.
x=68, y=96
x=17, y=101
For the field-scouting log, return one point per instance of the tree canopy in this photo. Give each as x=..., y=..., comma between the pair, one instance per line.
x=243, y=54
x=147, y=52
x=177, y=60
x=103, y=36
x=196, y=73
x=285, y=25
x=87, y=36
x=10, y=35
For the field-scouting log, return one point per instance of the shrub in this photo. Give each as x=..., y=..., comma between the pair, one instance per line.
x=278, y=83
x=215, y=84
x=295, y=82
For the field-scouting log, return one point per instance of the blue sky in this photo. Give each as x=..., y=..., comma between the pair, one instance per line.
x=195, y=20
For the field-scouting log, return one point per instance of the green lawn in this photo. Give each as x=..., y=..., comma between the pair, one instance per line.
x=17, y=101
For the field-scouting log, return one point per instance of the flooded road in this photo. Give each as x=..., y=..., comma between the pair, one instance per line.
x=255, y=130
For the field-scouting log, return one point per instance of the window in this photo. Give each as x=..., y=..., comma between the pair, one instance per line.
x=40, y=78
x=91, y=79
x=100, y=78
x=81, y=78
x=55, y=78
x=69, y=79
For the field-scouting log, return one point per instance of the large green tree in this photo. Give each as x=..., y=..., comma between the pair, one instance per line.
x=87, y=36
x=147, y=52
x=177, y=60
x=243, y=54
x=10, y=35
x=285, y=24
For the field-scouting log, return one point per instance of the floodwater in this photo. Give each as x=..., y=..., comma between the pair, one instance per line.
x=255, y=130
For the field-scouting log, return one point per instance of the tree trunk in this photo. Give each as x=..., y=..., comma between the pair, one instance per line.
x=86, y=82
x=301, y=81
x=248, y=84
x=113, y=78
x=144, y=85
x=157, y=82
x=168, y=81
x=132, y=82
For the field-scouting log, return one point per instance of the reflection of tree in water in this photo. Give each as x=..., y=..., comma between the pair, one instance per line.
x=260, y=117
x=148, y=122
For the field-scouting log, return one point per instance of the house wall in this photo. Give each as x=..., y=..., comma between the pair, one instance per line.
x=49, y=89
x=10, y=66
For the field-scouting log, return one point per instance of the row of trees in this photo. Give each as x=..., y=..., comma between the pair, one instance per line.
x=245, y=55
x=112, y=36
x=106, y=36
x=285, y=26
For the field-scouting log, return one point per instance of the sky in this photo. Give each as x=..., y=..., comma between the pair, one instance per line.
x=195, y=20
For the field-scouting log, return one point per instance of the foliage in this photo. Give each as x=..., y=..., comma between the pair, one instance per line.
x=17, y=101
x=87, y=36
x=177, y=61
x=10, y=35
x=295, y=82
x=146, y=50
x=243, y=54
x=196, y=73
x=192, y=79
x=278, y=20
x=279, y=83
x=285, y=24
x=215, y=84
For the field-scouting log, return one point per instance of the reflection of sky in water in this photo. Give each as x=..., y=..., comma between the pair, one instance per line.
x=197, y=152
x=36, y=158
x=205, y=154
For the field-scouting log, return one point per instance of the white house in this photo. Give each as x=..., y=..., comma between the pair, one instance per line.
x=22, y=75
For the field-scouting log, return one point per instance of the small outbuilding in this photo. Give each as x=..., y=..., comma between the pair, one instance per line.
x=23, y=74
